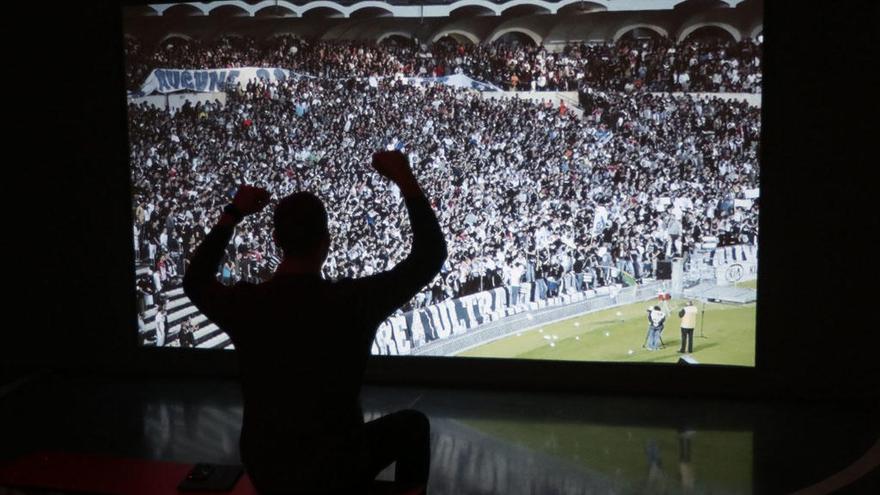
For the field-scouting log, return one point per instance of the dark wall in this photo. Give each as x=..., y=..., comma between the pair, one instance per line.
x=817, y=306
x=817, y=337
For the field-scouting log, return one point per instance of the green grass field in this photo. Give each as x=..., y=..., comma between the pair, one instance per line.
x=617, y=334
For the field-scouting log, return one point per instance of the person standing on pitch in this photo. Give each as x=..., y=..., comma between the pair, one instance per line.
x=303, y=342
x=688, y=315
x=656, y=319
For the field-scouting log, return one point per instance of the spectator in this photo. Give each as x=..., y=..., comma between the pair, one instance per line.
x=642, y=176
x=696, y=64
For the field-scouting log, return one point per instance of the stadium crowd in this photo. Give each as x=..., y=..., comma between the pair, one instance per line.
x=707, y=64
x=525, y=192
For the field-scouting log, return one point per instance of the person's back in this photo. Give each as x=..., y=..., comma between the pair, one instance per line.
x=302, y=355
x=303, y=343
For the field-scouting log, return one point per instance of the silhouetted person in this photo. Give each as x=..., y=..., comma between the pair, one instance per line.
x=303, y=342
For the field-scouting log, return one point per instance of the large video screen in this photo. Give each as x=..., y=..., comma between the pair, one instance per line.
x=594, y=169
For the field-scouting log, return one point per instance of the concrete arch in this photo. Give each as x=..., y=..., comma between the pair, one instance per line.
x=474, y=3
x=540, y=6
x=369, y=13
x=686, y=31
x=389, y=34
x=265, y=11
x=629, y=27
x=526, y=31
x=368, y=5
x=702, y=4
x=756, y=31
x=603, y=4
x=191, y=8
x=243, y=10
x=174, y=35
x=282, y=4
x=460, y=32
x=323, y=4
x=472, y=11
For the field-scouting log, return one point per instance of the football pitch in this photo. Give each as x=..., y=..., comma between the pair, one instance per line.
x=618, y=334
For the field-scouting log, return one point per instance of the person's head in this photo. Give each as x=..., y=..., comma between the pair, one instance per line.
x=300, y=222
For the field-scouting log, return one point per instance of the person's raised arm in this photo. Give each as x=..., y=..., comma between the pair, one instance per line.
x=387, y=291
x=200, y=281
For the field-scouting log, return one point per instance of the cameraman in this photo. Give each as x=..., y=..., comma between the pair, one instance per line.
x=656, y=319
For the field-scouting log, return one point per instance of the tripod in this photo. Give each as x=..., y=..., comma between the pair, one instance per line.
x=659, y=336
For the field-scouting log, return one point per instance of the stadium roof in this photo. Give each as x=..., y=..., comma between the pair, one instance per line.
x=416, y=8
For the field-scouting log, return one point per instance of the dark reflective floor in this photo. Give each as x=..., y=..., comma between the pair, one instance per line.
x=482, y=442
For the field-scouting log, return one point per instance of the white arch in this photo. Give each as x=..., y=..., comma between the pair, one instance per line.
x=474, y=13
x=291, y=11
x=389, y=34
x=174, y=35
x=531, y=3
x=325, y=4
x=526, y=31
x=685, y=32
x=726, y=3
x=161, y=9
x=756, y=31
x=565, y=3
x=629, y=27
x=241, y=6
x=449, y=32
x=272, y=3
x=473, y=3
x=370, y=4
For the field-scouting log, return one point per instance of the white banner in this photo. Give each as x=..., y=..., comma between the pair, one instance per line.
x=210, y=80
x=206, y=80
x=735, y=263
x=736, y=272
x=456, y=81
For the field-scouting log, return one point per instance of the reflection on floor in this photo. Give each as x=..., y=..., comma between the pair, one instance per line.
x=483, y=442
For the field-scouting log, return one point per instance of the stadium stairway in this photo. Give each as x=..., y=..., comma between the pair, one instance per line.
x=179, y=308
